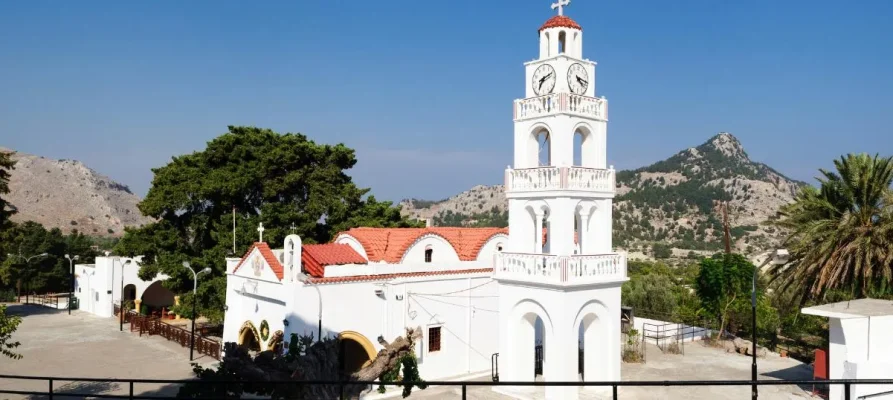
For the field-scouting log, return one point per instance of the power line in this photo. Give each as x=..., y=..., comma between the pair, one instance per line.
x=452, y=304
x=444, y=327
x=457, y=291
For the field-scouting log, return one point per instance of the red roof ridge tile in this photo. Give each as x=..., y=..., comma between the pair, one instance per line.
x=391, y=244
x=560, y=21
x=361, y=278
x=268, y=255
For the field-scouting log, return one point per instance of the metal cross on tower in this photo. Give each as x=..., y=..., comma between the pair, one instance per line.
x=260, y=230
x=560, y=6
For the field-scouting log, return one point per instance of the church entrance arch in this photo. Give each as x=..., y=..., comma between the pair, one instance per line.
x=356, y=351
x=592, y=324
x=249, y=337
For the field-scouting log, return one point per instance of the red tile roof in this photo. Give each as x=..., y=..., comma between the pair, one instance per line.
x=560, y=21
x=346, y=279
x=317, y=256
x=389, y=244
x=268, y=255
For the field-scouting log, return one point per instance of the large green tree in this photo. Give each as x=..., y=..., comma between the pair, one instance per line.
x=723, y=284
x=41, y=274
x=6, y=165
x=286, y=181
x=841, y=234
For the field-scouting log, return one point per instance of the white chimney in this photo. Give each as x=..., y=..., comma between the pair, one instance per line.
x=428, y=222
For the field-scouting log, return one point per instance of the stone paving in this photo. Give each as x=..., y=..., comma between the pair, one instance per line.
x=82, y=345
x=85, y=346
x=698, y=363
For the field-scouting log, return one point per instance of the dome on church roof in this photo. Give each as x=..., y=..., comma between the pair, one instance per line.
x=560, y=21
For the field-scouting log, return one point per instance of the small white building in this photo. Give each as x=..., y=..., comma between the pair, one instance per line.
x=860, y=345
x=484, y=297
x=97, y=286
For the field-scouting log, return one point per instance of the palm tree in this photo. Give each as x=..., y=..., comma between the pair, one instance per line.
x=841, y=234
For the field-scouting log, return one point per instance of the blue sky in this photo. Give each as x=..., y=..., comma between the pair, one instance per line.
x=423, y=89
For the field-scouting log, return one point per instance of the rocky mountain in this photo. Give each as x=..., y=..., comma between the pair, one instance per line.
x=68, y=195
x=673, y=203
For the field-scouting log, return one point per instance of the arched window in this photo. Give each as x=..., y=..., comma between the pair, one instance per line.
x=429, y=253
x=499, y=247
x=562, y=38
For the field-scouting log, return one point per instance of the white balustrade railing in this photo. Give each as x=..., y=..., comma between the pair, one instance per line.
x=590, y=179
x=560, y=270
x=557, y=103
x=537, y=106
x=586, y=106
x=529, y=179
x=596, y=267
x=557, y=178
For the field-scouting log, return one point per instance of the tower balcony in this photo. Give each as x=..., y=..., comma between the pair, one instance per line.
x=560, y=270
x=542, y=179
x=561, y=103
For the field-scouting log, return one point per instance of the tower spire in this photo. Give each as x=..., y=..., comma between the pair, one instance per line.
x=560, y=6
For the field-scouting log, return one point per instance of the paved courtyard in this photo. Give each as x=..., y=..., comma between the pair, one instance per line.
x=698, y=363
x=86, y=346
x=82, y=345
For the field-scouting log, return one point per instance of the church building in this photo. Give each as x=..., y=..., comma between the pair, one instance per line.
x=489, y=300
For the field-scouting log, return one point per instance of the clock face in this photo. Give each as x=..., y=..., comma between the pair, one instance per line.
x=543, y=80
x=577, y=78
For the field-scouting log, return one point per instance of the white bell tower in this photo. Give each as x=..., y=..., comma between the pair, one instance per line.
x=559, y=277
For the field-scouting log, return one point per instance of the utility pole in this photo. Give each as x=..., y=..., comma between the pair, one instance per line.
x=726, y=225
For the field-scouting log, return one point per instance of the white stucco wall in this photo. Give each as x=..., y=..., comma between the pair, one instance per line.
x=467, y=318
x=668, y=331
x=353, y=243
x=490, y=248
x=442, y=251
x=857, y=348
x=98, y=285
x=254, y=301
x=596, y=308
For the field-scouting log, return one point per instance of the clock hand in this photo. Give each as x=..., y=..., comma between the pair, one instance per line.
x=543, y=80
x=582, y=81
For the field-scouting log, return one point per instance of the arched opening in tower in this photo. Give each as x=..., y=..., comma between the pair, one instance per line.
x=584, y=151
x=539, y=346
x=562, y=39
x=544, y=146
x=590, y=351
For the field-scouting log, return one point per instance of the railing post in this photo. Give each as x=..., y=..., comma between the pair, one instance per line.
x=614, y=391
x=464, y=392
x=51, y=389
x=131, y=390
x=846, y=391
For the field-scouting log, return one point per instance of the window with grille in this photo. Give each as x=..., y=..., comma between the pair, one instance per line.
x=434, y=339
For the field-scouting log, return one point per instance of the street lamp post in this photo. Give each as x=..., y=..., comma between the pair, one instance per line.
x=27, y=263
x=778, y=257
x=71, y=261
x=121, y=297
x=194, y=300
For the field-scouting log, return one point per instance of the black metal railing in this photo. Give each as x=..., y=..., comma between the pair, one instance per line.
x=53, y=390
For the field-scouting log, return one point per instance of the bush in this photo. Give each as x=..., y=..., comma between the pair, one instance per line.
x=661, y=251
x=7, y=295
